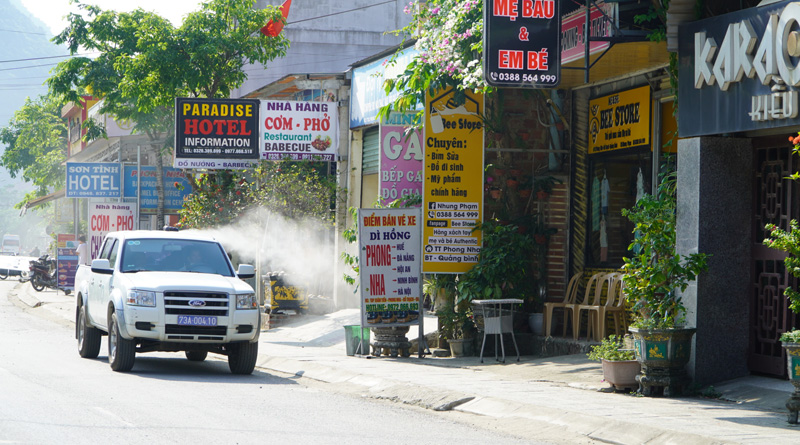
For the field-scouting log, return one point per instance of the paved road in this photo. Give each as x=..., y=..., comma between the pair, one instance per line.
x=48, y=394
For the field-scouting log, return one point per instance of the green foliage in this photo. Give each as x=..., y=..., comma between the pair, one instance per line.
x=789, y=242
x=655, y=272
x=502, y=267
x=449, y=38
x=36, y=145
x=611, y=349
x=656, y=19
x=455, y=324
x=144, y=62
x=792, y=336
x=295, y=190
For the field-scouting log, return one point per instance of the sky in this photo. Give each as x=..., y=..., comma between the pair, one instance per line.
x=51, y=12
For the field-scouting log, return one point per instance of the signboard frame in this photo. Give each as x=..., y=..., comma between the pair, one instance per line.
x=621, y=120
x=93, y=180
x=522, y=43
x=401, y=157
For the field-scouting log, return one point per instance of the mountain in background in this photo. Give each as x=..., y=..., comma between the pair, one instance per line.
x=23, y=71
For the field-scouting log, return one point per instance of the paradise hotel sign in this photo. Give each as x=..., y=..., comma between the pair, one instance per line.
x=740, y=71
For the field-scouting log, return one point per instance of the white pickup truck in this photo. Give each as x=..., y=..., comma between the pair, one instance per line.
x=166, y=291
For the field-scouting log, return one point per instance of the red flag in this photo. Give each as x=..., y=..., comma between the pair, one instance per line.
x=273, y=29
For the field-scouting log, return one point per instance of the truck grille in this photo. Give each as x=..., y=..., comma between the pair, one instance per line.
x=203, y=303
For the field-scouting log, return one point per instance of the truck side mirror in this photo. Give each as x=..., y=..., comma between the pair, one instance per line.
x=102, y=266
x=246, y=271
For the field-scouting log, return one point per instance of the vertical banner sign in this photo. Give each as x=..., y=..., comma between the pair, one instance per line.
x=389, y=266
x=522, y=43
x=93, y=180
x=176, y=187
x=453, y=188
x=216, y=133
x=66, y=261
x=620, y=121
x=401, y=158
x=108, y=217
x=299, y=130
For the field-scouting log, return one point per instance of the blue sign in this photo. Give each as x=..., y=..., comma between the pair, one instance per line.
x=173, y=195
x=367, y=94
x=93, y=180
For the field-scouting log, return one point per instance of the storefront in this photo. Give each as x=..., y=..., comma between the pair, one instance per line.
x=738, y=101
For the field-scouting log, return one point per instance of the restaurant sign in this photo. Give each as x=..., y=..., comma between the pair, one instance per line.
x=620, y=121
x=744, y=69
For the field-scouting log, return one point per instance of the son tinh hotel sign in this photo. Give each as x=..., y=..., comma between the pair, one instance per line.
x=740, y=71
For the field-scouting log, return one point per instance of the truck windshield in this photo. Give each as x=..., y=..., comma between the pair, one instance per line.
x=170, y=255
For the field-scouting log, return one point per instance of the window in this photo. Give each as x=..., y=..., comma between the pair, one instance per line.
x=615, y=183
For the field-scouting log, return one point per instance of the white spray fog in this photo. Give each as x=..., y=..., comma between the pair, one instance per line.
x=301, y=249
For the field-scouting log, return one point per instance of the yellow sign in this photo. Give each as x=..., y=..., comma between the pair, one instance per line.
x=453, y=187
x=620, y=121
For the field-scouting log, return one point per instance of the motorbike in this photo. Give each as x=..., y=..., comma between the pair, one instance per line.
x=43, y=273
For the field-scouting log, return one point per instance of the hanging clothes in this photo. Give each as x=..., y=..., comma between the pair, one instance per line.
x=603, y=241
x=595, y=197
x=605, y=189
x=639, y=185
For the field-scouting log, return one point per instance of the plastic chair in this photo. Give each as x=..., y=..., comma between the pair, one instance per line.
x=569, y=298
x=615, y=305
x=589, y=297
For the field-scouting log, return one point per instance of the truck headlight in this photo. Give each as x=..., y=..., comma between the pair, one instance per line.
x=246, y=301
x=142, y=298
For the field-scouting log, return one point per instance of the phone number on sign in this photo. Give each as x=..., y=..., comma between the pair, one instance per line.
x=533, y=78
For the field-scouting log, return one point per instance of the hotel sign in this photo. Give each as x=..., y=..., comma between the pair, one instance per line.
x=744, y=69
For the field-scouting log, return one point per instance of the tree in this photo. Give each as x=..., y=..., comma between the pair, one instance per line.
x=145, y=63
x=36, y=145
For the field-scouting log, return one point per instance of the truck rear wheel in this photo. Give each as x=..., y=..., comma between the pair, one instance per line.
x=242, y=357
x=88, y=337
x=121, y=352
x=196, y=356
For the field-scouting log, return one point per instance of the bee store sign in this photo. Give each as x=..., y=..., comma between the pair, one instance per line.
x=389, y=266
x=297, y=130
x=453, y=182
x=620, y=121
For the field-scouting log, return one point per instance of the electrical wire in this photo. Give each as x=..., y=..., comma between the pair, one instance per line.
x=340, y=12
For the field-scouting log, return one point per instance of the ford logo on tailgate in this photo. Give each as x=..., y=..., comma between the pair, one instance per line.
x=197, y=303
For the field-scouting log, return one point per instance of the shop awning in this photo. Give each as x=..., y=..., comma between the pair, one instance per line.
x=45, y=199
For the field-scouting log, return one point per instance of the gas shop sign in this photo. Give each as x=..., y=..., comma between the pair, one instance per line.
x=216, y=133
x=389, y=266
x=298, y=130
x=742, y=71
x=522, y=43
x=620, y=121
x=93, y=180
x=400, y=157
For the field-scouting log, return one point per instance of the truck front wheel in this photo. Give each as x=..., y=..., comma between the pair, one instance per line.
x=88, y=337
x=121, y=352
x=242, y=357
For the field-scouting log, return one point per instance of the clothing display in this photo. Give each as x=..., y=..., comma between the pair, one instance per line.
x=595, y=204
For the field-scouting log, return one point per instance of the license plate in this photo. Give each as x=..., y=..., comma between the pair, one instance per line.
x=196, y=320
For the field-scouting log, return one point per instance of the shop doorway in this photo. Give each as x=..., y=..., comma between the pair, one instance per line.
x=775, y=201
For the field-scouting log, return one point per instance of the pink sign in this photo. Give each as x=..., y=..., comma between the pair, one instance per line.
x=573, y=42
x=401, y=158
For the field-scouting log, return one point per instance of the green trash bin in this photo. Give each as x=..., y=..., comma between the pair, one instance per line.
x=352, y=340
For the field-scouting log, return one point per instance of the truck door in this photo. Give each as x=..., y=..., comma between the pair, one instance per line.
x=99, y=286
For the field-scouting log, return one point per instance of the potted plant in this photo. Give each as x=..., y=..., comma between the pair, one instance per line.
x=653, y=277
x=440, y=288
x=789, y=242
x=620, y=367
x=544, y=186
x=456, y=326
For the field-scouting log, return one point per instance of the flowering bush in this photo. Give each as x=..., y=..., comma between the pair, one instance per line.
x=449, y=37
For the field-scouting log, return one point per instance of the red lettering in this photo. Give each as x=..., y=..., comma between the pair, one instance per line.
x=537, y=60
x=190, y=126
x=510, y=59
x=245, y=132
x=205, y=126
x=505, y=8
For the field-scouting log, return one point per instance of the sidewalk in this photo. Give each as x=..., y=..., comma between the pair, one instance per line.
x=555, y=395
